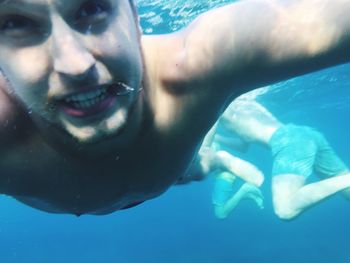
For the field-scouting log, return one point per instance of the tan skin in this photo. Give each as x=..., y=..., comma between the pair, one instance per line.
x=144, y=141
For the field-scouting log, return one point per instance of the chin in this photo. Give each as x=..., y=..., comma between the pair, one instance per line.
x=97, y=130
x=96, y=138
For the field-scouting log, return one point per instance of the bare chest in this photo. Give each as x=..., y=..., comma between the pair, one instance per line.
x=41, y=177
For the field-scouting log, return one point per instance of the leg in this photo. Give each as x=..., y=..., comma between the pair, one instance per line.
x=297, y=152
x=225, y=201
x=328, y=164
x=291, y=196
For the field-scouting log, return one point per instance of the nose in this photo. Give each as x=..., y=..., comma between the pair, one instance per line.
x=71, y=58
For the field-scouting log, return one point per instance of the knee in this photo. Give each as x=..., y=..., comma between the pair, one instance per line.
x=220, y=212
x=285, y=215
x=284, y=191
x=284, y=212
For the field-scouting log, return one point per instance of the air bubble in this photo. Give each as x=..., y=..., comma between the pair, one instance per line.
x=89, y=30
x=123, y=89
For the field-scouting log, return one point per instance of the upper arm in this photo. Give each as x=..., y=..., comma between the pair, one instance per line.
x=257, y=42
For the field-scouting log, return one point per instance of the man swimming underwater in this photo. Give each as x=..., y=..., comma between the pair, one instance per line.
x=96, y=117
x=298, y=152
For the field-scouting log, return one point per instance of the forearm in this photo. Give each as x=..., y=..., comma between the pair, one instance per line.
x=309, y=29
x=240, y=168
x=294, y=37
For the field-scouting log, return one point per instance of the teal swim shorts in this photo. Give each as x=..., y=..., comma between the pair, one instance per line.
x=302, y=150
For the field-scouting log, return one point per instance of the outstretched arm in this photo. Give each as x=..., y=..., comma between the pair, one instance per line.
x=253, y=43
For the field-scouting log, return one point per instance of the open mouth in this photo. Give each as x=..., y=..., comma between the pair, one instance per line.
x=98, y=100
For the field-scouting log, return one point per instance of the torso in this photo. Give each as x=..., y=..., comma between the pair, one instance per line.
x=37, y=174
x=33, y=169
x=251, y=121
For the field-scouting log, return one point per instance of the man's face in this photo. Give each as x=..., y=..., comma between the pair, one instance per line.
x=75, y=64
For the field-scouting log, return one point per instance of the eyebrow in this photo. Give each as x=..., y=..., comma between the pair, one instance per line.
x=25, y=7
x=20, y=4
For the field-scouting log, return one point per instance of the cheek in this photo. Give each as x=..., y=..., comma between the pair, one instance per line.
x=27, y=70
x=28, y=67
x=119, y=40
x=113, y=43
x=119, y=53
x=106, y=45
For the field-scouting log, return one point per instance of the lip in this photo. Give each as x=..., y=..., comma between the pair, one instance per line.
x=90, y=102
x=82, y=90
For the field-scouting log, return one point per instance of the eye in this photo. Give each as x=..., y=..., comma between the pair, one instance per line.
x=92, y=16
x=18, y=26
x=93, y=10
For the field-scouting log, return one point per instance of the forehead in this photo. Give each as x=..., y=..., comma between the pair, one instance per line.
x=20, y=3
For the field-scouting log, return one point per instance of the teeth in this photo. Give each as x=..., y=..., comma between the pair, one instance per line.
x=88, y=99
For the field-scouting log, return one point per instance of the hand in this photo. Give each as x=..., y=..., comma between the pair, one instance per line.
x=207, y=157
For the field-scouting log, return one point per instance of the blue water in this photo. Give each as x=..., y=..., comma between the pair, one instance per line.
x=180, y=225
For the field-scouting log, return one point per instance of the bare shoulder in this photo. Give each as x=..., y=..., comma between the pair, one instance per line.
x=164, y=56
x=177, y=94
